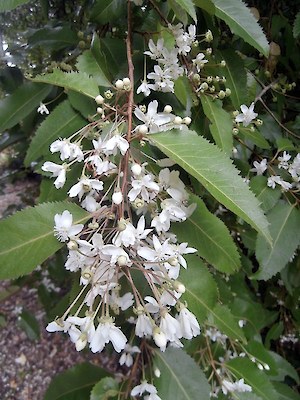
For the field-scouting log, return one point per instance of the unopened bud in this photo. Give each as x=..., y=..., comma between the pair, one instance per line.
x=99, y=110
x=72, y=245
x=223, y=63
x=204, y=86
x=99, y=99
x=136, y=169
x=168, y=109
x=159, y=338
x=122, y=224
x=119, y=84
x=179, y=287
x=81, y=342
x=209, y=36
x=177, y=120
x=122, y=261
x=187, y=120
x=227, y=92
x=208, y=51
x=138, y=203
x=126, y=82
x=221, y=94
x=117, y=197
x=143, y=129
x=108, y=94
x=157, y=372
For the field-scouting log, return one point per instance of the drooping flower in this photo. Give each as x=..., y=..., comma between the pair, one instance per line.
x=107, y=332
x=58, y=171
x=42, y=109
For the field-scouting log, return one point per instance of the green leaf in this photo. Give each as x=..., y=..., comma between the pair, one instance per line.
x=206, y=5
x=28, y=236
x=60, y=123
x=18, y=105
x=296, y=27
x=86, y=63
x=255, y=136
x=284, y=228
x=29, y=324
x=105, y=389
x=210, y=236
x=242, y=23
x=54, y=37
x=104, y=11
x=257, y=379
x=179, y=12
x=75, y=383
x=224, y=320
x=84, y=105
x=200, y=288
x=236, y=77
x=215, y=171
x=183, y=91
x=189, y=7
x=221, y=123
x=182, y=378
x=285, y=392
x=284, y=368
x=267, y=196
x=7, y=5
x=79, y=81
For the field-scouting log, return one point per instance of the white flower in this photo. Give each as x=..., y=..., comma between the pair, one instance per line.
x=170, y=327
x=63, y=228
x=117, y=197
x=115, y=143
x=259, y=168
x=129, y=235
x=284, y=160
x=143, y=325
x=239, y=386
x=107, y=332
x=199, y=61
x=163, y=79
x=67, y=150
x=155, y=50
x=58, y=326
x=85, y=185
x=188, y=323
x=142, y=388
x=42, y=109
x=153, y=120
x=58, y=171
x=145, y=186
x=126, y=357
x=247, y=116
x=144, y=88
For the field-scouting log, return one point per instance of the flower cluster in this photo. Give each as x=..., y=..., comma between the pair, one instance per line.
x=290, y=168
x=127, y=236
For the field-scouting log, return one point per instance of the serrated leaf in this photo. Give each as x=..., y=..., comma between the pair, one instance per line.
x=215, y=171
x=105, y=389
x=183, y=92
x=7, y=5
x=210, y=236
x=224, y=320
x=267, y=196
x=78, y=81
x=201, y=290
x=285, y=392
x=296, y=26
x=87, y=63
x=221, y=123
x=206, y=5
x=182, y=377
x=104, y=11
x=76, y=382
x=83, y=104
x=257, y=379
x=284, y=228
x=20, y=103
x=28, y=236
x=236, y=77
x=60, y=123
x=179, y=12
x=189, y=7
x=242, y=23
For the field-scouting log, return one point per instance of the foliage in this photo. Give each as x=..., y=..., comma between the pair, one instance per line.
x=221, y=104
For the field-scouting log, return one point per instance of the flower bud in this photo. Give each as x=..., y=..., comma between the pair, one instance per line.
x=187, y=120
x=108, y=94
x=227, y=92
x=119, y=84
x=99, y=110
x=99, y=99
x=122, y=261
x=179, y=287
x=168, y=109
x=223, y=63
x=117, y=197
x=157, y=372
x=143, y=129
x=72, y=245
x=177, y=120
x=209, y=36
x=221, y=94
x=138, y=203
x=81, y=342
x=122, y=224
x=159, y=338
x=136, y=169
x=93, y=225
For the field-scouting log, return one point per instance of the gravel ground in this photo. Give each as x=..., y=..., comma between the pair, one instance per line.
x=27, y=366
